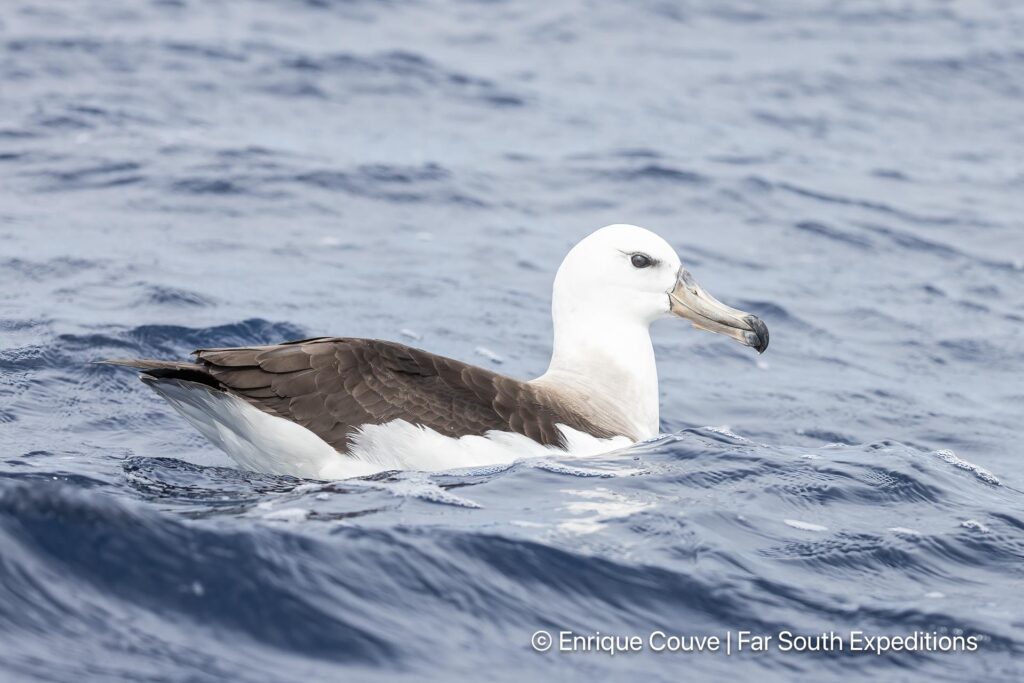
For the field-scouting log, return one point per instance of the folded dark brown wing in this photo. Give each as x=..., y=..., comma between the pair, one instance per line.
x=333, y=386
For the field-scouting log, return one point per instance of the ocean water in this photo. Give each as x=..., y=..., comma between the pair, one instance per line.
x=185, y=173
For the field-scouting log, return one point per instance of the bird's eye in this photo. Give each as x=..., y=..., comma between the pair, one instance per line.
x=641, y=261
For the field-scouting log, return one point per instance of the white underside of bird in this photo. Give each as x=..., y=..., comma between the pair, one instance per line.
x=261, y=442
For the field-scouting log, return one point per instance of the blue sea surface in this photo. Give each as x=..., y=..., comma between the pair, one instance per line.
x=177, y=174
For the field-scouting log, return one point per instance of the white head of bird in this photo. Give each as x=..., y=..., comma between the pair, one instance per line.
x=608, y=291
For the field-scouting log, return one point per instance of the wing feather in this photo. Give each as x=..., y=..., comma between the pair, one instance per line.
x=334, y=386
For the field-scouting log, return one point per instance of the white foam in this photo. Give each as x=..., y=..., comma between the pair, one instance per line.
x=725, y=431
x=598, y=506
x=415, y=485
x=980, y=472
x=805, y=526
x=489, y=355
x=287, y=515
x=559, y=468
x=411, y=334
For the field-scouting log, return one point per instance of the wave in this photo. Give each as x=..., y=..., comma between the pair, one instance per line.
x=697, y=532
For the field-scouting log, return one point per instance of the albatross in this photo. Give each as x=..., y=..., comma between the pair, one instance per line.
x=337, y=407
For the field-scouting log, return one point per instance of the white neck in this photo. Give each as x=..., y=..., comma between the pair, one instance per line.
x=606, y=367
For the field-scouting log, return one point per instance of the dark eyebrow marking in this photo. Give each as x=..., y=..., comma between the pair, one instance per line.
x=631, y=254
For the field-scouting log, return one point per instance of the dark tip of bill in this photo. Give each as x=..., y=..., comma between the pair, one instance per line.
x=761, y=332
